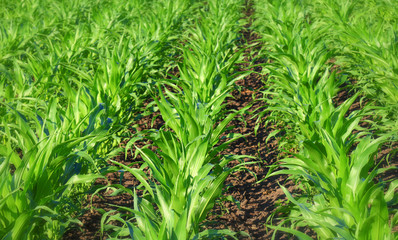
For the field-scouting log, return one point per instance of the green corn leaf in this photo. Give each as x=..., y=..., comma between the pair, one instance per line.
x=87, y=178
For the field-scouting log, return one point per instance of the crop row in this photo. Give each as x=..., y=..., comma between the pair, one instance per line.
x=73, y=76
x=334, y=165
x=187, y=172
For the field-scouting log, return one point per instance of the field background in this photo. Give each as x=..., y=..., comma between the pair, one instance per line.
x=225, y=119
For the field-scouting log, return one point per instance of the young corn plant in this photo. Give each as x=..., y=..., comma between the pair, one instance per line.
x=78, y=58
x=342, y=198
x=210, y=56
x=349, y=202
x=364, y=35
x=298, y=74
x=187, y=171
x=86, y=46
x=43, y=153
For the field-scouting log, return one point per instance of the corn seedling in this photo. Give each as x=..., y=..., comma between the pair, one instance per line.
x=341, y=199
x=187, y=171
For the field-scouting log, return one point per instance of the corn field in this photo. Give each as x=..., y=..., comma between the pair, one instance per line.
x=194, y=119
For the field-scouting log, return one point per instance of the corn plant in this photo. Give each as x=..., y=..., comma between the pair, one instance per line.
x=71, y=74
x=211, y=54
x=299, y=77
x=341, y=198
x=97, y=46
x=348, y=203
x=43, y=154
x=371, y=40
x=187, y=172
x=363, y=34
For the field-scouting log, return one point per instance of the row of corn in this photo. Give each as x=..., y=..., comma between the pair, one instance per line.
x=187, y=171
x=315, y=49
x=73, y=75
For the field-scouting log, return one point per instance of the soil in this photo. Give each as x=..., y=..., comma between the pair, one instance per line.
x=258, y=201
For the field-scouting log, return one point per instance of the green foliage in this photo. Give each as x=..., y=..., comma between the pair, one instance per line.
x=42, y=155
x=348, y=200
x=73, y=74
x=335, y=166
x=187, y=172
